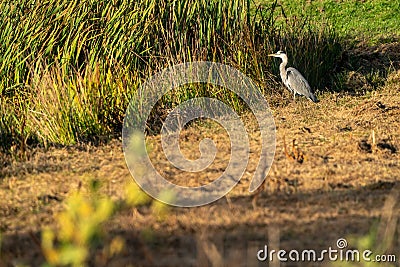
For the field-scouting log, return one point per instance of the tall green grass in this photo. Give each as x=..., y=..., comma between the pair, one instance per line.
x=69, y=68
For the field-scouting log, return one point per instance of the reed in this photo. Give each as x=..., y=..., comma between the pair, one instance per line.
x=69, y=68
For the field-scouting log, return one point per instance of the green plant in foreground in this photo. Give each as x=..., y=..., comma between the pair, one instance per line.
x=361, y=244
x=380, y=239
x=134, y=196
x=80, y=228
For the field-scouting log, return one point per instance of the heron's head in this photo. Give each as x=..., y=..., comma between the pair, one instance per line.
x=280, y=54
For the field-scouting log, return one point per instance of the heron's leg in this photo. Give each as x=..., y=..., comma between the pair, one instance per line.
x=294, y=96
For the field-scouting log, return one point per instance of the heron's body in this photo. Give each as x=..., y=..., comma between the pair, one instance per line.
x=293, y=79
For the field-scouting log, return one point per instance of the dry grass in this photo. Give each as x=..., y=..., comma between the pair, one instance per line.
x=350, y=162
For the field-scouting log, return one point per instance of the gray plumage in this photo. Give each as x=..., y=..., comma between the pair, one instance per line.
x=293, y=79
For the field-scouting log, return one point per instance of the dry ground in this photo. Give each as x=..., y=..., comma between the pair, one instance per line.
x=337, y=178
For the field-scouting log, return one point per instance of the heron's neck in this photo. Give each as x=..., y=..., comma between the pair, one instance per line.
x=282, y=69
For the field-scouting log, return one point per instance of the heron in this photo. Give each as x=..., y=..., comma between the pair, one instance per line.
x=293, y=79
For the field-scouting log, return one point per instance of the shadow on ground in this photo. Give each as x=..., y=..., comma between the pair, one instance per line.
x=322, y=219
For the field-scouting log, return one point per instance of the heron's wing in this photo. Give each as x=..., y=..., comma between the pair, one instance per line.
x=299, y=84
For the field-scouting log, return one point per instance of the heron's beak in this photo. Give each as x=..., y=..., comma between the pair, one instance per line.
x=272, y=55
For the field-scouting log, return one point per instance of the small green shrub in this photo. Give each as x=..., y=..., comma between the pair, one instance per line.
x=80, y=229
